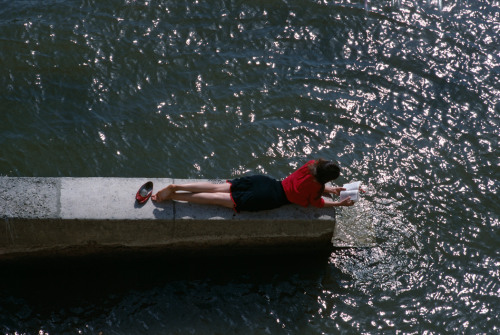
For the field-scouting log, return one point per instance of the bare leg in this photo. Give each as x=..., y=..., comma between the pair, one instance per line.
x=203, y=187
x=221, y=199
x=168, y=192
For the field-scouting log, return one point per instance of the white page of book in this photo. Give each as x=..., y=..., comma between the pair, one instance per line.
x=352, y=190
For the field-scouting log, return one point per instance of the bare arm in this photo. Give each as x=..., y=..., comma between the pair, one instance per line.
x=346, y=202
x=334, y=190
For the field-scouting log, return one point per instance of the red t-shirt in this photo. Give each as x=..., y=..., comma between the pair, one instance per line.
x=301, y=188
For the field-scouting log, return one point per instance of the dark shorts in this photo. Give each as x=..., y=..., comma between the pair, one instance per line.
x=257, y=193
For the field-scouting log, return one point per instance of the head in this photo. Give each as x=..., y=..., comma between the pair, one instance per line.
x=324, y=171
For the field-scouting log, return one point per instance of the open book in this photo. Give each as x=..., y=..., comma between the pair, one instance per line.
x=351, y=190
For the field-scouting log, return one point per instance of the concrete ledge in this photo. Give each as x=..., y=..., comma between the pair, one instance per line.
x=66, y=216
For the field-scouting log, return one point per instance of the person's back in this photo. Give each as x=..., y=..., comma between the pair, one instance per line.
x=302, y=188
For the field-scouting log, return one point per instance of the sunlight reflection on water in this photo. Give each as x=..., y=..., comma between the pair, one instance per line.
x=404, y=94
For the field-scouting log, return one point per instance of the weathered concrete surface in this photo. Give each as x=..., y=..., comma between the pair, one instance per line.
x=92, y=215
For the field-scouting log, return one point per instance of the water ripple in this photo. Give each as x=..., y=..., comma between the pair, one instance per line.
x=404, y=94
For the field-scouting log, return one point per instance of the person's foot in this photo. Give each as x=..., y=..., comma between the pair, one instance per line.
x=163, y=195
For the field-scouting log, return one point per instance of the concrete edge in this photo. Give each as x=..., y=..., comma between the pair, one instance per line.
x=69, y=216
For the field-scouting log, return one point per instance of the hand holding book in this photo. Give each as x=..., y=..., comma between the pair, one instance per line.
x=351, y=191
x=349, y=194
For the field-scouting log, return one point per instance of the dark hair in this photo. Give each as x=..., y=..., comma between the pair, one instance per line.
x=324, y=171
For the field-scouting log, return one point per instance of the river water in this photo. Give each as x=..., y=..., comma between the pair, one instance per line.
x=404, y=94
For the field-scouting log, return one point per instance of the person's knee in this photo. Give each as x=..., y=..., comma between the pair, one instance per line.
x=224, y=199
x=223, y=188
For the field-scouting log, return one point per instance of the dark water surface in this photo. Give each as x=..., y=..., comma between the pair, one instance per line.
x=404, y=94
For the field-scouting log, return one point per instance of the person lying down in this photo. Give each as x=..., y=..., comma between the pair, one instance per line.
x=304, y=187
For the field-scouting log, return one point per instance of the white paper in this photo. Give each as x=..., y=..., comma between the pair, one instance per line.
x=352, y=194
x=352, y=186
x=352, y=190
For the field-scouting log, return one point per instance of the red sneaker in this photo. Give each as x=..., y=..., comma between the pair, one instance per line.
x=144, y=192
